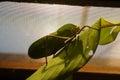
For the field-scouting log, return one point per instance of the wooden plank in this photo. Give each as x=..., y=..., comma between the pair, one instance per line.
x=19, y=62
x=95, y=65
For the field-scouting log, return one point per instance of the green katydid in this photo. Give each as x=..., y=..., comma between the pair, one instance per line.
x=54, y=42
x=50, y=44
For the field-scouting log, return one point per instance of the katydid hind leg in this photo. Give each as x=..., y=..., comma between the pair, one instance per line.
x=46, y=51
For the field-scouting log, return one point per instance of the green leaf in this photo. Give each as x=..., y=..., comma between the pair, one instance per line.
x=78, y=52
x=54, y=42
x=70, y=59
x=109, y=31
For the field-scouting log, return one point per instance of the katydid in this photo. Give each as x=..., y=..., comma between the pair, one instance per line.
x=52, y=43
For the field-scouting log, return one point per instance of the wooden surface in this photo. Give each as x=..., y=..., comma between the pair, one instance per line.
x=95, y=65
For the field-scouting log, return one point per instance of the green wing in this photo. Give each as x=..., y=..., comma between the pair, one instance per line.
x=38, y=48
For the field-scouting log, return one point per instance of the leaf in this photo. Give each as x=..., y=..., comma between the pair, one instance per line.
x=109, y=31
x=61, y=66
x=38, y=48
x=78, y=52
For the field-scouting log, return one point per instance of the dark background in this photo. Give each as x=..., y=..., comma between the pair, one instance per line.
x=105, y=3
x=17, y=74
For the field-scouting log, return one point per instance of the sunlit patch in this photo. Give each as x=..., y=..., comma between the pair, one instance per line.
x=87, y=47
x=112, y=29
x=90, y=53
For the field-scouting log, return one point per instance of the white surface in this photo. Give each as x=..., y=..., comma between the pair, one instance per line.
x=23, y=23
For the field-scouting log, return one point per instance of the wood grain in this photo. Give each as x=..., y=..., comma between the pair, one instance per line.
x=95, y=65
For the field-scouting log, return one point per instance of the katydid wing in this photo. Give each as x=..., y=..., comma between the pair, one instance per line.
x=54, y=41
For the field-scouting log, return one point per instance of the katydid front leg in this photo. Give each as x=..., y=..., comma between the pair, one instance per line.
x=71, y=38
